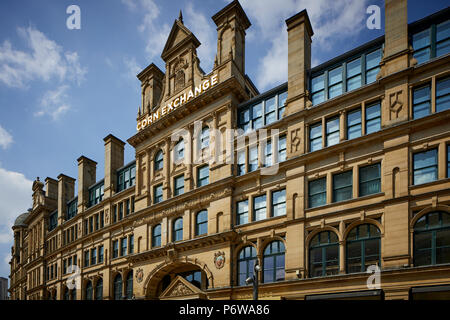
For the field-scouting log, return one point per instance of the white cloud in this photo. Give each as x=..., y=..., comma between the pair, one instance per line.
x=15, y=198
x=5, y=138
x=44, y=61
x=332, y=22
x=132, y=67
x=54, y=103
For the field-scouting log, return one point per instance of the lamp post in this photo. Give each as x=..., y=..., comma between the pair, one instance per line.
x=254, y=280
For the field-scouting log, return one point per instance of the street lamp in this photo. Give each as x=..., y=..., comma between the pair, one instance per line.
x=254, y=280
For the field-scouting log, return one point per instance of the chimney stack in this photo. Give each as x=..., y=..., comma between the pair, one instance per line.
x=86, y=178
x=66, y=191
x=299, y=60
x=114, y=155
x=51, y=188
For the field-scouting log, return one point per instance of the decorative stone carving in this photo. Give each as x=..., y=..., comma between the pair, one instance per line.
x=139, y=275
x=219, y=259
x=180, y=290
x=395, y=103
x=295, y=140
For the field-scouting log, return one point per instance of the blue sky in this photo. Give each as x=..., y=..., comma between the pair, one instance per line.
x=62, y=91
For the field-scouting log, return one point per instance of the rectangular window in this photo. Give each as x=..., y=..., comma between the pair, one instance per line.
x=373, y=118
x=257, y=116
x=443, y=94
x=315, y=137
x=342, y=186
x=253, y=158
x=64, y=266
x=120, y=211
x=100, y=254
x=93, y=256
x=53, y=221
x=354, y=124
x=244, y=119
x=425, y=166
x=317, y=192
x=127, y=207
x=281, y=104
x=115, y=213
x=123, y=247
x=85, y=227
x=202, y=176
x=334, y=82
x=96, y=194
x=354, y=74
x=259, y=208
x=97, y=222
x=131, y=242
x=332, y=127
x=158, y=193
x=421, y=101
x=241, y=162
x=448, y=161
x=86, y=258
x=132, y=204
x=102, y=220
x=126, y=178
x=268, y=154
x=242, y=212
x=91, y=224
x=115, y=248
x=270, y=111
x=443, y=38
x=369, y=179
x=72, y=209
x=179, y=185
x=318, y=89
x=373, y=60
x=279, y=203
x=421, y=43
x=282, y=148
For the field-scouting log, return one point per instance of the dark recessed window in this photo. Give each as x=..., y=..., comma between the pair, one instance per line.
x=332, y=131
x=126, y=178
x=273, y=262
x=370, y=179
x=201, y=223
x=178, y=185
x=363, y=248
x=242, y=212
x=259, y=208
x=421, y=101
x=317, y=192
x=159, y=160
x=278, y=203
x=373, y=117
x=315, y=137
x=425, y=166
x=177, y=230
x=246, y=263
x=158, y=193
x=202, y=176
x=354, y=124
x=342, y=186
x=443, y=94
x=324, y=254
x=156, y=236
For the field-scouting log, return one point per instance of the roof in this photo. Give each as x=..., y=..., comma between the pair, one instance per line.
x=20, y=220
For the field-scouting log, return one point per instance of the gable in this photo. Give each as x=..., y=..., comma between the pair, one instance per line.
x=180, y=288
x=178, y=37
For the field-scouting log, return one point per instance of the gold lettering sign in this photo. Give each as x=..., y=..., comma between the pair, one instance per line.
x=152, y=117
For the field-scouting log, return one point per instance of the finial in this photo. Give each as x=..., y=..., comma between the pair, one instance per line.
x=180, y=17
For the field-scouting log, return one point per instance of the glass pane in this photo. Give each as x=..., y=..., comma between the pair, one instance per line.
x=425, y=175
x=369, y=172
x=318, y=97
x=354, y=117
x=342, y=180
x=334, y=76
x=373, y=59
x=422, y=257
x=282, y=99
x=354, y=132
x=270, y=105
x=373, y=111
x=315, y=131
x=421, y=94
x=333, y=125
x=443, y=238
x=354, y=83
x=334, y=90
x=353, y=68
x=371, y=75
x=332, y=139
x=443, y=95
x=443, y=48
x=425, y=159
x=443, y=31
x=317, y=186
x=443, y=255
x=422, y=55
x=271, y=117
x=421, y=39
x=317, y=83
x=332, y=253
x=422, y=240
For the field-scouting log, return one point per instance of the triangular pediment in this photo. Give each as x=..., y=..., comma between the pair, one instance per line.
x=178, y=37
x=181, y=289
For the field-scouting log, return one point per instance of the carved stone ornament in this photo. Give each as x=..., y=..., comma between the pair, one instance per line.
x=295, y=140
x=139, y=275
x=395, y=102
x=219, y=259
x=180, y=290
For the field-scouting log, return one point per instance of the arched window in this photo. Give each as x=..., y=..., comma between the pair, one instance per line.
x=246, y=263
x=204, y=138
x=179, y=150
x=129, y=289
x=273, y=263
x=99, y=289
x=118, y=287
x=432, y=239
x=324, y=254
x=159, y=161
x=363, y=248
x=156, y=236
x=88, y=293
x=201, y=223
x=177, y=230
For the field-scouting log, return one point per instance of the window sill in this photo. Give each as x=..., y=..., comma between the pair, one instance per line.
x=328, y=205
x=428, y=184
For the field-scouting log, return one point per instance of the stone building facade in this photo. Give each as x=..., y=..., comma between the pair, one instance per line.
x=336, y=183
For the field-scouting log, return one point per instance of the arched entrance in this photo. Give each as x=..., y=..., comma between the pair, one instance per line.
x=186, y=279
